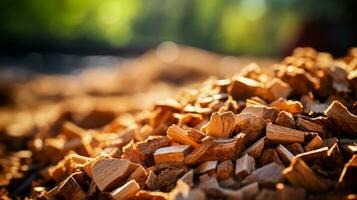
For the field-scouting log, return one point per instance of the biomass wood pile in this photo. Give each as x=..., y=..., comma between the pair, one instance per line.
x=291, y=134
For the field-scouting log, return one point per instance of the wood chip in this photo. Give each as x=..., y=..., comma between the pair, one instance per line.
x=314, y=154
x=251, y=125
x=244, y=88
x=256, y=149
x=279, y=134
x=206, y=167
x=149, y=146
x=107, y=173
x=244, y=166
x=225, y=170
x=172, y=154
x=285, y=155
x=306, y=125
x=268, y=155
x=217, y=149
x=182, y=136
x=300, y=81
x=290, y=131
x=126, y=191
x=220, y=125
x=70, y=189
x=348, y=175
x=268, y=174
x=290, y=106
x=299, y=174
x=340, y=116
x=285, y=119
x=295, y=148
x=315, y=143
x=279, y=88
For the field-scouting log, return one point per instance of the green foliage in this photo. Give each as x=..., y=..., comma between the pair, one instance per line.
x=257, y=27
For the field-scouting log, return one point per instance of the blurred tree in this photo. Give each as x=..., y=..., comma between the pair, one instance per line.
x=254, y=27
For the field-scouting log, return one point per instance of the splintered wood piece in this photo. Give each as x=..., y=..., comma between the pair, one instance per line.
x=334, y=159
x=216, y=149
x=268, y=113
x=279, y=134
x=220, y=125
x=167, y=178
x=69, y=189
x=206, y=166
x=139, y=175
x=151, y=181
x=297, y=78
x=345, y=120
x=126, y=191
x=188, y=178
x=290, y=106
x=279, y=88
x=284, y=154
x=243, y=88
x=225, y=170
x=299, y=174
x=295, y=148
x=286, y=193
x=88, y=166
x=315, y=143
x=256, y=149
x=268, y=156
x=67, y=166
x=149, y=146
x=313, y=155
x=250, y=124
x=131, y=153
x=348, y=175
x=195, y=134
x=268, y=174
x=285, y=119
x=329, y=142
x=244, y=166
x=181, y=136
x=109, y=172
x=171, y=154
x=307, y=125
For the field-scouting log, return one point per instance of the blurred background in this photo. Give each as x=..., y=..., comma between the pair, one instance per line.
x=61, y=36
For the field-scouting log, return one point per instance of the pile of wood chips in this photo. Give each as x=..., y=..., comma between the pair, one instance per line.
x=291, y=134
